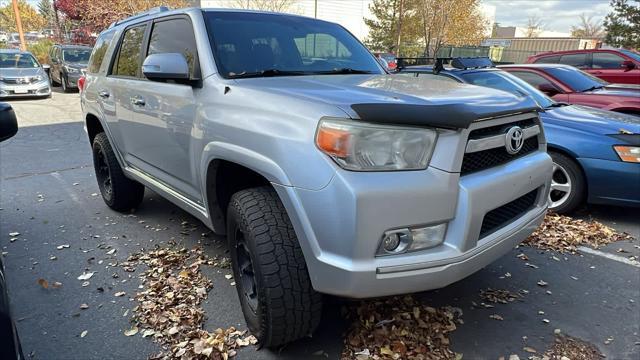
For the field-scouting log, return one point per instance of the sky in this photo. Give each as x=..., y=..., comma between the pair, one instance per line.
x=557, y=15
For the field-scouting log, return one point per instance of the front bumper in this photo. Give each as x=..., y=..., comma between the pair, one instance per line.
x=340, y=227
x=72, y=80
x=612, y=182
x=41, y=88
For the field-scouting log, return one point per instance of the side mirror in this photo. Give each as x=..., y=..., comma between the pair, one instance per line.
x=8, y=122
x=548, y=89
x=628, y=65
x=166, y=66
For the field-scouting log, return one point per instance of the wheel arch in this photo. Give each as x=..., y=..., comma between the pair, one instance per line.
x=93, y=126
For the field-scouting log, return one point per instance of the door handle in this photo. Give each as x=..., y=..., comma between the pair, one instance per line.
x=137, y=100
x=103, y=94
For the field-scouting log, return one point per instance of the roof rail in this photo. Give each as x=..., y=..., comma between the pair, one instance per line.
x=151, y=11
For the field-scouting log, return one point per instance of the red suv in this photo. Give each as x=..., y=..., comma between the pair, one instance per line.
x=613, y=65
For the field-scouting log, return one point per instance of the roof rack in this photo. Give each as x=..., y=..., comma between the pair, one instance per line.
x=462, y=63
x=139, y=15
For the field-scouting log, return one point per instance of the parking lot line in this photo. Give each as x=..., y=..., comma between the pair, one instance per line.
x=613, y=257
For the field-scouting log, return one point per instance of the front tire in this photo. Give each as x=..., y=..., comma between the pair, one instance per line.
x=278, y=302
x=119, y=192
x=568, y=186
x=65, y=84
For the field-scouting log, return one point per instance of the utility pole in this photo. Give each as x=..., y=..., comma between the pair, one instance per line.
x=399, y=28
x=16, y=12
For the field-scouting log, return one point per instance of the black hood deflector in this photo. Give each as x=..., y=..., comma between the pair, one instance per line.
x=447, y=116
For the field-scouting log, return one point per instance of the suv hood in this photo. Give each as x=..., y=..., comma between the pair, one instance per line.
x=591, y=120
x=398, y=99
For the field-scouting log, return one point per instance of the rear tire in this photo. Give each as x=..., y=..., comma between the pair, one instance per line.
x=568, y=186
x=278, y=302
x=119, y=192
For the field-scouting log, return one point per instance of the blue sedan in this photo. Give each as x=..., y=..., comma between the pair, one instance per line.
x=596, y=153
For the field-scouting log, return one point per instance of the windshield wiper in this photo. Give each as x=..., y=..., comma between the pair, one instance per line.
x=557, y=104
x=596, y=87
x=265, y=73
x=343, y=71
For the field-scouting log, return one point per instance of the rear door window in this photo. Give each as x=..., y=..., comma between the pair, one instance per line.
x=577, y=60
x=176, y=36
x=606, y=60
x=128, y=60
x=99, y=51
x=532, y=78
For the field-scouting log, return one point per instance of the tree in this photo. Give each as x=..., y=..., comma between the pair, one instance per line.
x=31, y=20
x=622, y=24
x=535, y=25
x=382, y=28
x=98, y=15
x=45, y=8
x=265, y=5
x=588, y=28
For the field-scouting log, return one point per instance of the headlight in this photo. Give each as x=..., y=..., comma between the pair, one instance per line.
x=369, y=147
x=628, y=153
x=71, y=70
x=38, y=78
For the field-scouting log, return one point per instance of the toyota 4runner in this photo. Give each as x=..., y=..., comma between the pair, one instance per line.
x=327, y=174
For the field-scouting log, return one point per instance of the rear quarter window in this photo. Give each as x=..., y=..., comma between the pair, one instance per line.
x=99, y=52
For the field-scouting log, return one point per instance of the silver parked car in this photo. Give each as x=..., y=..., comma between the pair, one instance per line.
x=326, y=173
x=21, y=75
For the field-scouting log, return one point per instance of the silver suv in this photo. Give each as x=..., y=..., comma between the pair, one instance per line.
x=327, y=174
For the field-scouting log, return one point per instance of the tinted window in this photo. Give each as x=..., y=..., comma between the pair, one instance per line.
x=548, y=60
x=577, y=60
x=99, y=50
x=506, y=82
x=128, y=60
x=532, y=78
x=576, y=79
x=247, y=44
x=606, y=60
x=76, y=55
x=632, y=54
x=175, y=36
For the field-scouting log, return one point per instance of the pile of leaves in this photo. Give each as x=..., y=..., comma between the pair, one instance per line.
x=566, y=347
x=169, y=306
x=498, y=296
x=400, y=328
x=564, y=234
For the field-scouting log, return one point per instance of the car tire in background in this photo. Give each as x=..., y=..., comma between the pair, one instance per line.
x=119, y=192
x=278, y=301
x=64, y=83
x=568, y=186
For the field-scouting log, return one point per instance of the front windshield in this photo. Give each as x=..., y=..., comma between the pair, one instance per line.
x=22, y=61
x=576, y=79
x=504, y=81
x=632, y=54
x=258, y=44
x=76, y=55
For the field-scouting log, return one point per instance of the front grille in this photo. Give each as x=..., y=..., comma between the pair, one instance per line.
x=498, y=218
x=480, y=160
x=493, y=157
x=19, y=81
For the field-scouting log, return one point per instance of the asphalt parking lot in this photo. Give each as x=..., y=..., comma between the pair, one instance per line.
x=49, y=195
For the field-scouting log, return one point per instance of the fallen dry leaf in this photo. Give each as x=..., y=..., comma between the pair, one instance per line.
x=14, y=234
x=564, y=234
x=84, y=333
x=120, y=293
x=85, y=276
x=44, y=283
x=498, y=296
x=566, y=347
x=399, y=328
x=84, y=306
x=131, y=332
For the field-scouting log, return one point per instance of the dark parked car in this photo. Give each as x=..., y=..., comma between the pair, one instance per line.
x=612, y=65
x=9, y=344
x=565, y=83
x=67, y=64
x=596, y=153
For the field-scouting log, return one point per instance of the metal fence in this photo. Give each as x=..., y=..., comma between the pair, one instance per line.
x=497, y=54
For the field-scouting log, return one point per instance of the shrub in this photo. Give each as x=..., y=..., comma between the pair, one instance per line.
x=41, y=49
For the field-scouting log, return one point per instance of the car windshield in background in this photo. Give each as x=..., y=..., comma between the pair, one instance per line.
x=76, y=56
x=22, y=61
x=504, y=81
x=632, y=54
x=253, y=45
x=577, y=80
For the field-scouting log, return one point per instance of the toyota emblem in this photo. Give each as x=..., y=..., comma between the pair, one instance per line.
x=514, y=140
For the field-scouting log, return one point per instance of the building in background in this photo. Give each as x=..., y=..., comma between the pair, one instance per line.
x=521, y=32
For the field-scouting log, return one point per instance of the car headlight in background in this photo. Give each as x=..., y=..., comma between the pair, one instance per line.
x=38, y=78
x=71, y=70
x=628, y=153
x=370, y=147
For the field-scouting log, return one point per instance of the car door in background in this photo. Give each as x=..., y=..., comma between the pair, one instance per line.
x=160, y=137
x=610, y=67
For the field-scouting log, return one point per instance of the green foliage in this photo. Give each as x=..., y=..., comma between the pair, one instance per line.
x=41, y=49
x=623, y=24
x=31, y=19
x=382, y=28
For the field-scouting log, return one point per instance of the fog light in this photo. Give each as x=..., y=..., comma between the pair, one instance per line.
x=411, y=239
